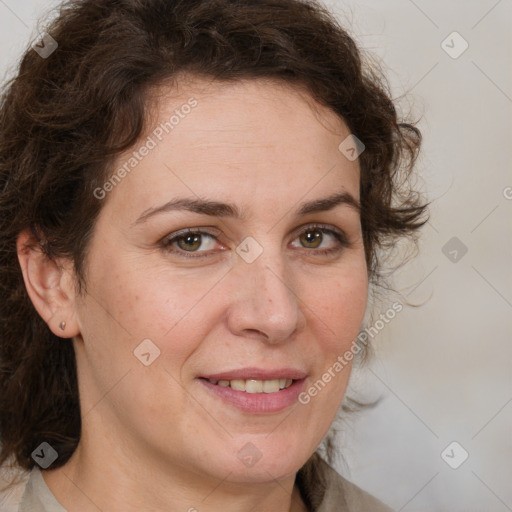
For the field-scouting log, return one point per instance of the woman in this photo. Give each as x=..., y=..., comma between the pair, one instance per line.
x=194, y=197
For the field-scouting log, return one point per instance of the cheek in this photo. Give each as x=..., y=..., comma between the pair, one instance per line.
x=145, y=300
x=342, y=301
x=341, y=306
x=131, y=303
x=139, y=302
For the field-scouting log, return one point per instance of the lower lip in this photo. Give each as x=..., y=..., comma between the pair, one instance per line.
x=258, y=402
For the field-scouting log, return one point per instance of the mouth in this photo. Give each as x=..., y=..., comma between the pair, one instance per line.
x=254, y=390
x=254, y=385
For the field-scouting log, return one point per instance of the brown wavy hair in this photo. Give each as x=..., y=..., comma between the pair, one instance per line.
x=65, y=118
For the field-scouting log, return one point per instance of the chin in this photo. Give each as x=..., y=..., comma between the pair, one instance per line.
x=260, y=459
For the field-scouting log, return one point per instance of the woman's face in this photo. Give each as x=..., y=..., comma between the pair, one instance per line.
x=265, y=292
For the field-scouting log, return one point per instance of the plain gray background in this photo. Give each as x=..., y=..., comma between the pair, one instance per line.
x=444, y=369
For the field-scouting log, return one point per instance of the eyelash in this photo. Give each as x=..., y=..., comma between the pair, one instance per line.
x=338, y=235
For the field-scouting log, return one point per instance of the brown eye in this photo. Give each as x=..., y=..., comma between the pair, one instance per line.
x=189, y=242
x=311, y=238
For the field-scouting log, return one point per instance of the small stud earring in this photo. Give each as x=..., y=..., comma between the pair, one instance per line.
x=62, y=326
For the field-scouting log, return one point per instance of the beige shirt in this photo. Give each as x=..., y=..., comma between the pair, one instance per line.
x=326, y=492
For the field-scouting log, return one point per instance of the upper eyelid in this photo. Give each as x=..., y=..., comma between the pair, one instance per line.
x=322, y=227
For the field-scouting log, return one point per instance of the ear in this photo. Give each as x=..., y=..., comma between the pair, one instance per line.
x=50, y=286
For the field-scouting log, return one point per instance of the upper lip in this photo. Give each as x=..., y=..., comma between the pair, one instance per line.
x=258, y=374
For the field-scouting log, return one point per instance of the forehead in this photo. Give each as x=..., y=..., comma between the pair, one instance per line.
x=246, y=111
x=251, y=140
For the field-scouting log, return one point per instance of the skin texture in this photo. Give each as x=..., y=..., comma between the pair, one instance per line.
x=154, y=437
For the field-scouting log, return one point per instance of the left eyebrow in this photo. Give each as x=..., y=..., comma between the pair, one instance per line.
x=328, y=203
x=219, y=209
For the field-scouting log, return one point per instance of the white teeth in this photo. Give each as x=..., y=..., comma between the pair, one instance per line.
x=270, y=386
x=239, y=385
x=255, y=385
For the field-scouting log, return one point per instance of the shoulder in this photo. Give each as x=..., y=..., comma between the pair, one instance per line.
x=28, y=492
x=357, y=499
x=327, y=491
x=12, y=486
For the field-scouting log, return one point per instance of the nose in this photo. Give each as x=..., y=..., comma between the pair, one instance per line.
x=264, y=303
